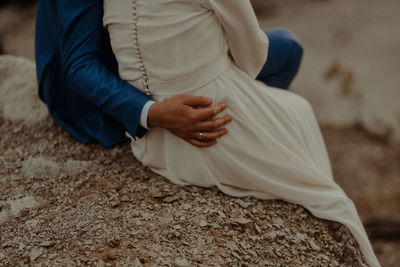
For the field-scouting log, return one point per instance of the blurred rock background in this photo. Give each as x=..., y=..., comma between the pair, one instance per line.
x=349, y=74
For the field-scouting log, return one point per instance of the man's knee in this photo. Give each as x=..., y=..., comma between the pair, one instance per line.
x=297, y=52
x=285, y=48
x=285, y=53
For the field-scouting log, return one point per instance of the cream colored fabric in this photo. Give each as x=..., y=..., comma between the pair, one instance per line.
x=215, y=48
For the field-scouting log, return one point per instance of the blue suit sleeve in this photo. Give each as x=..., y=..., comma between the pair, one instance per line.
x=84, y=43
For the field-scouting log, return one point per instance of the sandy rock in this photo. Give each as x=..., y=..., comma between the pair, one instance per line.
x=35, y=253
x=18, y=89
x=74, y=166
x=13, y=208
x=181, y=262
x=38, y=166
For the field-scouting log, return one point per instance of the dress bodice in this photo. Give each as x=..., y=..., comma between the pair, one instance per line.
x=159, y=42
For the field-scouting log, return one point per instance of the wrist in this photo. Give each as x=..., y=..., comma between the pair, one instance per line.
x=154, y=115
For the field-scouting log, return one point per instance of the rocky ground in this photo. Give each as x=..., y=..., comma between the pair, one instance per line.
x=68, y=204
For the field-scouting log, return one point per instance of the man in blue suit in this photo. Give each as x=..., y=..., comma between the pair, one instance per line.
x=78, y=80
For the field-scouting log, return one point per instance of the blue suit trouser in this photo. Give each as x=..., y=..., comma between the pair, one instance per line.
x=284, y=57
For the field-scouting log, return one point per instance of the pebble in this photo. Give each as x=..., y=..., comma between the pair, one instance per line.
x=203, y=201
x=252, y=253
x=277, y=221
x=47, y=244
x=301, y=236
x=35, y=253
x=182, y=262
x=258, y=229
x=234, y=254
x=100, y=263
x=124, y=198
x=314, y=246
x=186, y=206
x=271, y=235
x=7, y=244
x=232, y=246
x=243, y=204
x=203, y=223
x=114, y=242
x=242, y=221
x=32, y=223
x=171, y=199
x=216, y=226
x=296, y=240
x=137, y=263
x=111, y=254
x=115, y=203
x=244, y=245
x=2, y=255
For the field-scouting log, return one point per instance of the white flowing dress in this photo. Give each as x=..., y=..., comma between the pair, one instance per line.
x=215, y=48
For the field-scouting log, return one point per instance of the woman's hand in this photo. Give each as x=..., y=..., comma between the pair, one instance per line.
x=191, y=118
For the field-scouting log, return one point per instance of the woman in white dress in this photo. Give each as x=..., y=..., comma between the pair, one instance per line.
x=215, y=48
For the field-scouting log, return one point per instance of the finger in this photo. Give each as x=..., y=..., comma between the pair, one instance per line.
x=198, y=143
x=208, y=113
x=212, y=125
x=211, y=136
x=194, y=101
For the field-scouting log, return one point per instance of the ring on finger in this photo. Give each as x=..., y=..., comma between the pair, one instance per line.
x=200, y=135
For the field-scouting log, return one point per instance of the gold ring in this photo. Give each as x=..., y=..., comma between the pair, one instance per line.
x=200, y=135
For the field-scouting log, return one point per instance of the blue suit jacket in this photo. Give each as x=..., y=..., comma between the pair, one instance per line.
x=78, y=74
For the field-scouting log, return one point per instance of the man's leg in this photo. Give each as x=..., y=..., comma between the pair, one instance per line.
x=284, y=57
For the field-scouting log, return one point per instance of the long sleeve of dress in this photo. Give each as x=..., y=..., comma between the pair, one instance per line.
x=82, y=44
x=248, y=44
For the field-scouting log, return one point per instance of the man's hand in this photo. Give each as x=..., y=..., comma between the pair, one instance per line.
x=186, y=116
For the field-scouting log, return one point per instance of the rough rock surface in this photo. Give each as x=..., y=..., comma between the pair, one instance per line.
x=18, y=91
x=64, y=203
x=104, y=207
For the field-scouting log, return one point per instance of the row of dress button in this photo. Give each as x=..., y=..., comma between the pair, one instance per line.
x=137, y=48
